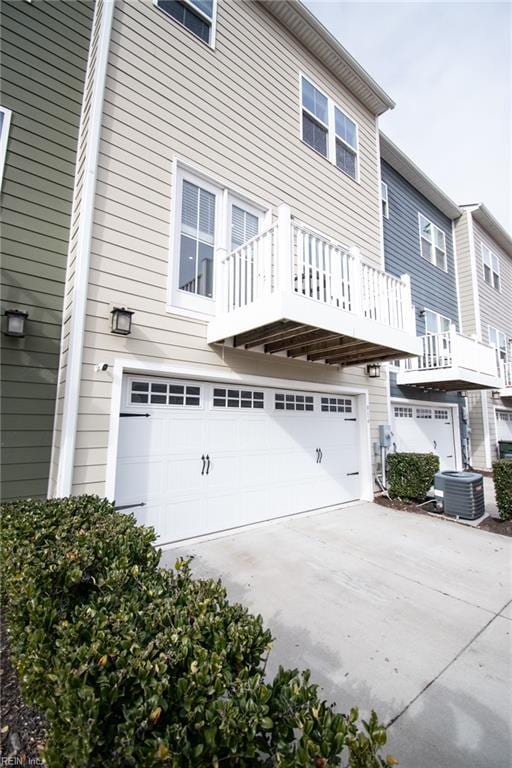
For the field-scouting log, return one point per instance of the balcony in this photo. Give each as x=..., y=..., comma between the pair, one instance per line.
x=450, y=361
x=292, y=291
x=506, y=379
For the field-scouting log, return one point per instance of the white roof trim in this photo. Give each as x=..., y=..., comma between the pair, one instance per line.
x=403, y=165
x=484, y=217
x=315, y=37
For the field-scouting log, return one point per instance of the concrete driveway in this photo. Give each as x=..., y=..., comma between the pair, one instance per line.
x=399, y=612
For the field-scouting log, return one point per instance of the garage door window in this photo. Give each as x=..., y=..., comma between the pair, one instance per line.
x=441, y=414
x=504, y=416
x=160, y=393
x=336, y=405
x=291, y=402
x=423, y=413
x=238, y=398
x=403, y=412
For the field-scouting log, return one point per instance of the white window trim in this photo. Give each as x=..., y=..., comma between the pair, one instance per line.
x=198, y=12
x=4, y=138
x=330, y=126
x=180, y=302
x=439, y=317
x=384, y=197
x=433, y=255
x=492, y=255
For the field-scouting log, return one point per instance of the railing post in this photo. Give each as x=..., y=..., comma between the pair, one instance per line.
x=409, y=316
x=284, y=248
x=453, y=345
x=355, y=278
x=220, y=281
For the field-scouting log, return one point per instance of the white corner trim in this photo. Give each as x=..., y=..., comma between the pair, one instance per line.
x=4, y=138
x=456, y=269
x=379, y=197
x=487, y=430
x=196, y=371
x=474, y=275
x=83, y=247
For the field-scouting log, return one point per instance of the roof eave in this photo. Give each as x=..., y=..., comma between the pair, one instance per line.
x=313, y=35
x=497, y=232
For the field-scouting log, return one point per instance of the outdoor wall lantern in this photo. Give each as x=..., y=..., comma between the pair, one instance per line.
x=121, y=321
x=15, y=322
x=495, y=394
x=373, y=370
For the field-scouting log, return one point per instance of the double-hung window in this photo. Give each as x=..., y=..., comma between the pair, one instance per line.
x=207, y=219
x=198, y=16
x=498, y=340
x=384, y=196
x=491, y=267
x=328, y=129
x=436, y=323
x=432, y=243
x=5, y=120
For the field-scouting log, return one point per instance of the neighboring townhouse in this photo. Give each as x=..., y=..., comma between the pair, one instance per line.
x=484, y=255
x=44, y=57
x=226, y=308
x=428, y=394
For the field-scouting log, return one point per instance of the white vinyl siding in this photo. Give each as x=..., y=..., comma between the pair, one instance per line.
x=432, y=243
x=328, y=129
x=491, y=267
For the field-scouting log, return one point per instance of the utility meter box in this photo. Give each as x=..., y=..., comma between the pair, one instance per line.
x=385, y=435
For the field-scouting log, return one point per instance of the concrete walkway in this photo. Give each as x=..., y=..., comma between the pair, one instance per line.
x=391, y=610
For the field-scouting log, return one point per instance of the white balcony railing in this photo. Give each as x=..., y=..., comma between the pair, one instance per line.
x=291, y=257
x=506, y=377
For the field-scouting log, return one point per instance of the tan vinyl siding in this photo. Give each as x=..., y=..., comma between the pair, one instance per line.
x=466, y=291
x=169, y=95
x=44, y=57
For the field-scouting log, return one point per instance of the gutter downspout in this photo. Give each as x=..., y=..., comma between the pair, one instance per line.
x=83, y=247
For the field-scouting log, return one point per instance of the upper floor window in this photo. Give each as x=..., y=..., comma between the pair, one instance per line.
x=436, y=323
x=198, y=16
x=384, y=199
x=5, y=120
x=498, y=340
x=432, y=243
x=328, y=129
x=491, y=267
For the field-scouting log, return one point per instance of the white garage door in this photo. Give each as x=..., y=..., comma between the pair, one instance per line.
x=196, y=457
x=504, y=425
x=425, y=429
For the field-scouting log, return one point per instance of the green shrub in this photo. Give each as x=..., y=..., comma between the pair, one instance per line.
x=410, y=475
x=502, y=476
x=135, y=665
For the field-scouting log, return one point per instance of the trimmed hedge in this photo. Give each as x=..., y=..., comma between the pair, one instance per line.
x=135, y=665
x=410, y=475
x=502, y=476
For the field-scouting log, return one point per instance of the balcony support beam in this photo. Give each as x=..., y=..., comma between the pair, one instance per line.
x=269, y=332
x=300, y=339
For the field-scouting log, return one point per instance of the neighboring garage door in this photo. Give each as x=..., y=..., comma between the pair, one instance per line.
x=197, y=457
x=425, y=429
x=504, y=425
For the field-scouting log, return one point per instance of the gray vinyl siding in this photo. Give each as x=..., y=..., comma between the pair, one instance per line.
x=234, y=113
x=44, y=56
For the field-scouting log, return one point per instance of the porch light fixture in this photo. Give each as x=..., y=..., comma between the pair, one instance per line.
x=373, y=370
x=495, y=394
x=121, y=321
x=15, y=322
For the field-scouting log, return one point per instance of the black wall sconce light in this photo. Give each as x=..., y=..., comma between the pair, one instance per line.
x=373, y=370
x=15, y=323
x=121, y=322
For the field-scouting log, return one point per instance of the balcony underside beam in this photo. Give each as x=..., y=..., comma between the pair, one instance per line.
x=449, y=379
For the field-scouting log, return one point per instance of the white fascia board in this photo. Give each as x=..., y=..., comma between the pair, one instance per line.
x=474, y=379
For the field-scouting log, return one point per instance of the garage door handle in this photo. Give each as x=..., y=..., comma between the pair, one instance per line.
x=204, y=463
x=321, y=455
x=352, y=473
x=208, y=467
x=129, y=506
x=140, y=415
x=435, y=444
x=450, y=456
x=317, y=455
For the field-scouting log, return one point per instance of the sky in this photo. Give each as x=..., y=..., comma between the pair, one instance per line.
x=448, y=68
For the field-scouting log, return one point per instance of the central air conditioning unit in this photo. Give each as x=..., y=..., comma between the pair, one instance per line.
x=460, y=494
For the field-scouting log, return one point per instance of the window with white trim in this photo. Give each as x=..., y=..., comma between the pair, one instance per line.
x=244, y=225
x=504, y=415
x=423, y=413
x=197, y=239
x=237, y=398
x=498, y=340
x=328, y=129
x=491, y=265
x=384, y=196
x=403, y=412
x=164, y=393
x=5, y=121
x=432, y=243
x=198, y=16
x=292, y=402
x=436, y=323
x=441, y=413
x=335, y=405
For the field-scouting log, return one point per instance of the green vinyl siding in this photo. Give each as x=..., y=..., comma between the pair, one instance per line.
x=44, y=57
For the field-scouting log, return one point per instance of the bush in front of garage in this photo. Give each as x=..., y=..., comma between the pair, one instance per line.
x=410, y=475
x=135, y=665
x=502, y=476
